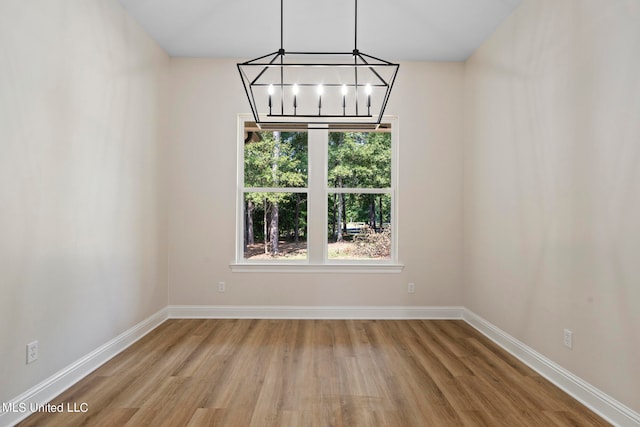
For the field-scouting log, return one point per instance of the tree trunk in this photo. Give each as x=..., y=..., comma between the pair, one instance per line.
x=244, y=223
x=249, y=235
x=341, y=226
x=372, y=213
x=275, y=235
x=296, y=220
x=380, y=207
x=340, y=209
x=334, y=221
x=266, y=228
x=344, y=214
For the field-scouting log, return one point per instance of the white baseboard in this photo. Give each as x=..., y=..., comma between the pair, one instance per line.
x=594, y=399
x=311, y=312
x=48, y=389
x=599, y=402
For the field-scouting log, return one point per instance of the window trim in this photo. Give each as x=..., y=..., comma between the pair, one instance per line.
x=317, y=260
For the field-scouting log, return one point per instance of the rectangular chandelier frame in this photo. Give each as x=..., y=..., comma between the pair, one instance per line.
x=351, y=88
x=359, y=94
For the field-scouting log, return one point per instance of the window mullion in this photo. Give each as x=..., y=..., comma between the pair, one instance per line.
x=317, y=200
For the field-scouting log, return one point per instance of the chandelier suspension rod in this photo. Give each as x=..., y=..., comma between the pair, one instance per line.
x=355, y=26
x=281, y=54
x=355, y=42
x=355, y=55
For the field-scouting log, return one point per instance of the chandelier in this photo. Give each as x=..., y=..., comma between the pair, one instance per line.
x=315, y=89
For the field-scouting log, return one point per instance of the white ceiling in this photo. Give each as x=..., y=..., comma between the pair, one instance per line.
x=435, y=30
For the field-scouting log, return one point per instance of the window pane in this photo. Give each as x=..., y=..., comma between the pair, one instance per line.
x=275, y=159
x=359, y=160
x=359, y=226
x=275, y=226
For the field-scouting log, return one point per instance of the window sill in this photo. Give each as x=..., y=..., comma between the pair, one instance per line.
x=360, y=268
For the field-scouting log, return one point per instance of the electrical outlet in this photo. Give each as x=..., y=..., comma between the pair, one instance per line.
x=411, y=288
x=221, y=287
x=568, y=338
x=32, y=352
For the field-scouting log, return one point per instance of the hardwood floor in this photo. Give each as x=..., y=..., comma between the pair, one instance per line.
x=316, y=373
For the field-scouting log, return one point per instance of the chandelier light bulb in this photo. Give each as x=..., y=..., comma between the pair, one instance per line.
x=320, y=89
x=270, y=90
x=294, y=89
x=344, y=100
x=367, y=90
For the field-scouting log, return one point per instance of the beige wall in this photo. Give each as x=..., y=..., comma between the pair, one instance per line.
x=206, y=98
x=82, y=234
x=552, y=185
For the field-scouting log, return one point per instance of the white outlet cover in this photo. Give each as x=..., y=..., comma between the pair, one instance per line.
x=32, y=352
x=568, y=338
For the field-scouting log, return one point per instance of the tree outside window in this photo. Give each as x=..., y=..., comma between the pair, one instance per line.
x=276, y=190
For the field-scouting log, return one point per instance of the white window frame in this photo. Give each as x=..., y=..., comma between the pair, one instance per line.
x=317, y=191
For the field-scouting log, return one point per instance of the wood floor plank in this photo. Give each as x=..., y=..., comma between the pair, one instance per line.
x=246, y=372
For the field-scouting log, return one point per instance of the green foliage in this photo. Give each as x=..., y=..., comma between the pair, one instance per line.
x=272, y=162
x=355, y=160
x=357, y=207
x=359, y=160
x=277, y=159
x=286, y=208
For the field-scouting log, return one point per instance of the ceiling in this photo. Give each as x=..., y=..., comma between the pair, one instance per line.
x=432, y=30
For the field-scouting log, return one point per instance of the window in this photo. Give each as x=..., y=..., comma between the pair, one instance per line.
x=359, y=195
x=316, y=199
x=274, y=195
